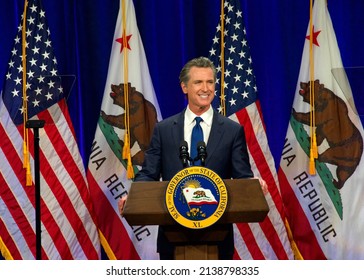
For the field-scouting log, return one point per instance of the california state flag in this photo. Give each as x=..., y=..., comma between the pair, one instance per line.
x=199, y=196
x=323, y=187
x=129, y=105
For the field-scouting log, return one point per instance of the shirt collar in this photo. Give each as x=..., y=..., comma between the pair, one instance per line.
x=207, y=116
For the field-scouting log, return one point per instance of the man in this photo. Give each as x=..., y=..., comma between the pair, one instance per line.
x=226, y=149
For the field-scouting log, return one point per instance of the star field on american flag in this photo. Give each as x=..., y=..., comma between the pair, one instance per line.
x=43, y=85
x=239, y=81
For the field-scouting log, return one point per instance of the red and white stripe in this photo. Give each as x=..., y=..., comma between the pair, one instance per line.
x=267, y=239
x=68, y=227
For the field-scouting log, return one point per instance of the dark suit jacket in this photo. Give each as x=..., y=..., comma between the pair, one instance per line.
x=227, y=156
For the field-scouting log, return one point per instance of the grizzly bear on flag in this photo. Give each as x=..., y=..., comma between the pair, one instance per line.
x=334, y=125
x=143, y=117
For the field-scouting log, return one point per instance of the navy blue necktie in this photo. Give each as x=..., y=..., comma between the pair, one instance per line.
x=197, y=136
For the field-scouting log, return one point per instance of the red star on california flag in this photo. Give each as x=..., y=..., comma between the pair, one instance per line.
x=314, y=36
x=121, y=41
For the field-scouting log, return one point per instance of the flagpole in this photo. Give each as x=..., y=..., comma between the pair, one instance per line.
x=36, y=124
x=222, y=61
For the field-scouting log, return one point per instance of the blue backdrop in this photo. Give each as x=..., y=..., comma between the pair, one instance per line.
x=173, y=32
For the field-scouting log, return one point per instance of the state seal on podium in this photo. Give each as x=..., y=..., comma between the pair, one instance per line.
x=196, y=197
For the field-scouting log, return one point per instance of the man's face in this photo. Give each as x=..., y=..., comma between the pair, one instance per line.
x=200, y=89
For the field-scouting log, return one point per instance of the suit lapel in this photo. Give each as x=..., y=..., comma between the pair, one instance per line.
x=216, y=133
x=178, y=129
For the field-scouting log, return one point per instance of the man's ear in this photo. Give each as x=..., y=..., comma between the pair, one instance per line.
x=184, y=88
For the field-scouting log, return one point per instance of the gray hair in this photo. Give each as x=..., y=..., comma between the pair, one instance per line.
x=200, y=62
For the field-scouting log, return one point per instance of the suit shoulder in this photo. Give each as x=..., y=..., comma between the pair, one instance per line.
x=227, y=121
x=171, y=120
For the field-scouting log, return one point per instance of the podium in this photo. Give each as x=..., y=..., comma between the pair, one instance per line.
x=146, y=206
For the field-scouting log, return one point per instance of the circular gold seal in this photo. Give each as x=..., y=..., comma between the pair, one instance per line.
x=196, y=197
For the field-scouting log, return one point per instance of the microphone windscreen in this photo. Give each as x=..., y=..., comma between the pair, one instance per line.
x=201, y=144
x=184, y=144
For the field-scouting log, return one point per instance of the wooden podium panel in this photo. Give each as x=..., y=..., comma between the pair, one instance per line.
x=198, y=252
x=146, y=203
x=246, y=202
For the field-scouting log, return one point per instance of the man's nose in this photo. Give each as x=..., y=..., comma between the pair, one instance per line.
x=205, y=87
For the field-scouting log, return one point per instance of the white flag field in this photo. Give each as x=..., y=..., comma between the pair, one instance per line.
x=324, y=204
x=107, y=175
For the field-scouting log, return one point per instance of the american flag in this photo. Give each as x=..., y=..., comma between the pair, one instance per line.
x=68, y=230
x=268, y=239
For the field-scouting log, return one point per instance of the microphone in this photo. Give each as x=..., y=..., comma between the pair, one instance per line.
x=201, y=151
x=183, y=153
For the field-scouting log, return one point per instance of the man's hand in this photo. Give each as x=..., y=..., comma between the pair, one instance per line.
x=263, y=185
x=121, y=204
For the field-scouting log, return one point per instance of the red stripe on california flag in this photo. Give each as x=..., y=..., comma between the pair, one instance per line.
x=123, y=247
x=302, y=230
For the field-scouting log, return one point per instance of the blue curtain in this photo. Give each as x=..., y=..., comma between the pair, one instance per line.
x=173, y=32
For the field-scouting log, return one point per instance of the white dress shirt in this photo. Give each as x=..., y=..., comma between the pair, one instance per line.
x=190, y=123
